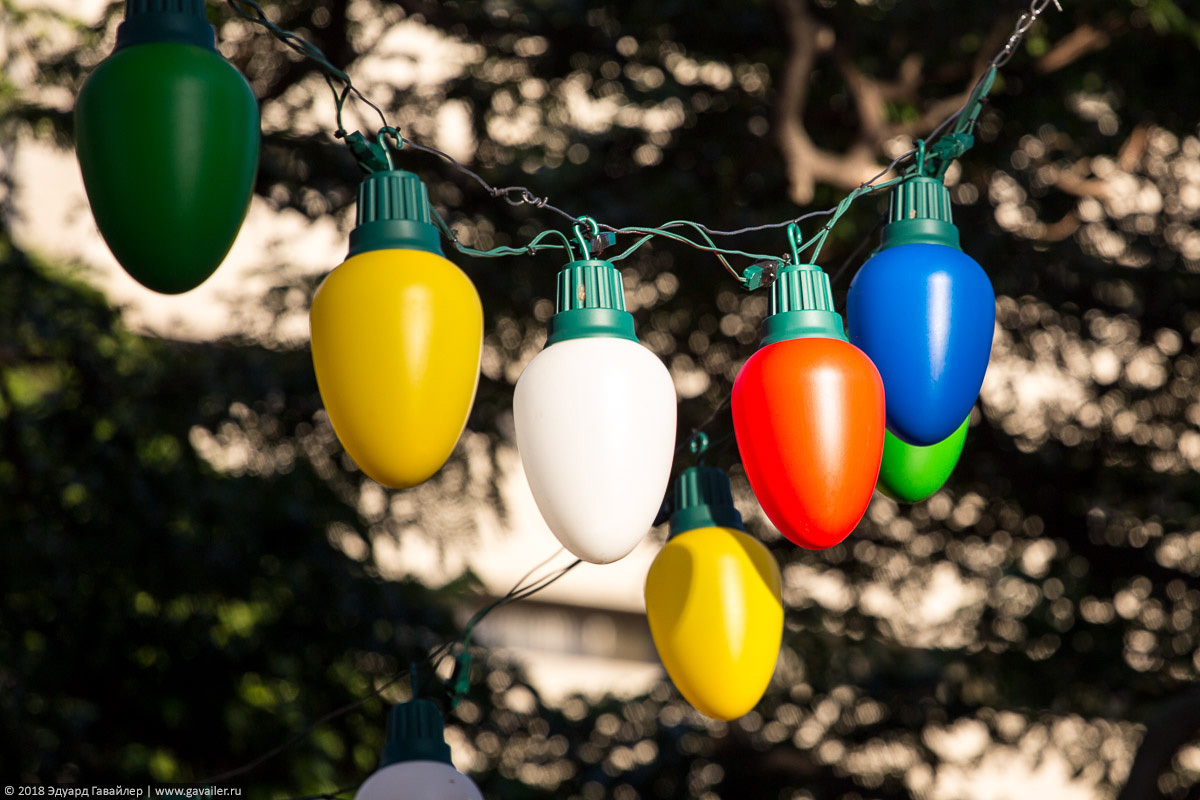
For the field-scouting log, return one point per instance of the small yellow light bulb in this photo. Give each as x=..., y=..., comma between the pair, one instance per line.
x=713, y=600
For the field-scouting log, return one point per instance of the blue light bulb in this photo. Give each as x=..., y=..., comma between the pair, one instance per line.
x=924, y=312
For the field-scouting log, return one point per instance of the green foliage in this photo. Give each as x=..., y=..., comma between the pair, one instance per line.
x=161, y=619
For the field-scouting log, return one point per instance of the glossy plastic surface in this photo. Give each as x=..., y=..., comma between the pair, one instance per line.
x=713, y=602
x=595, y=425
x=924, y=313
x=167, y=137
x=418, y=780
x=809, y=419
x=396, y=342
x=910, y=473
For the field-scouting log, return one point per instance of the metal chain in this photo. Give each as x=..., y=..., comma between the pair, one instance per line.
x=1024, y=23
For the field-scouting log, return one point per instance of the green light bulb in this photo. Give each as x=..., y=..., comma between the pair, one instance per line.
x=167, y=134
x=910, y=473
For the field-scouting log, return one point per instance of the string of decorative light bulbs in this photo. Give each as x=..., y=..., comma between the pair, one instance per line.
x=821, y=419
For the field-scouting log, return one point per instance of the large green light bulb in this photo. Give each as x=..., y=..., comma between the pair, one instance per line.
x=167, y=134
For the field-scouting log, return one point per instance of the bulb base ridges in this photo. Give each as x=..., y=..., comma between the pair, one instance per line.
x=394, y=214
x=165, y=21
x=920, y=212
x=589, y=302
x=704, y=499
x=415, y=732
x=801, y=306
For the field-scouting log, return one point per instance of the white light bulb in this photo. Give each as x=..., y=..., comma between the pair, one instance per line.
x=418, y=780
x=595, y=426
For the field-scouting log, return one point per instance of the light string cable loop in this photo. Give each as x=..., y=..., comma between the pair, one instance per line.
x=585, y=243
x=1026, y=21
x=381, y=140
x=520, y=195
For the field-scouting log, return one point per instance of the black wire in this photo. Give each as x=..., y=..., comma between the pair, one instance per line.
x=521, y=195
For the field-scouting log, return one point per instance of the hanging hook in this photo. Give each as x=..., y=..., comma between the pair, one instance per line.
x=381, y=139
x=698, y=444
x=794, y=241
x=921, y=157
x=593, y=227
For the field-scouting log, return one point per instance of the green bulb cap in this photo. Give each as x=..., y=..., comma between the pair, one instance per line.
x=704, y=499
x=156, y=21
x=919, y=212
x=590, y=302
x=801, y=306
x=393, y=214
x=415, y=732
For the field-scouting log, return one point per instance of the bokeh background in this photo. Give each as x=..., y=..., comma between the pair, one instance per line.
x=192, y=571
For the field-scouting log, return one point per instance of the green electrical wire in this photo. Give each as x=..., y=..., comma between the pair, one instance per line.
x=534, y=245
x=372, y=155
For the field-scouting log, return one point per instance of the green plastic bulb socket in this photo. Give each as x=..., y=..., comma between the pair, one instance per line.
x=920, y=212
x=415, y=732
x=393, y=214
x=801, y=305
x=590, y=301
x=704, y=499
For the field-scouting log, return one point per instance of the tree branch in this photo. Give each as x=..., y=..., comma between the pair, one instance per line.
x=806, y=163
x=871, y=95
x=1075, y=45
x=1063, y=229
x=943, y=108
x=1169, y=730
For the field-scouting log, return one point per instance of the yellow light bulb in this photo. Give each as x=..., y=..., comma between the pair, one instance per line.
x=396, y=341
x=716, y=614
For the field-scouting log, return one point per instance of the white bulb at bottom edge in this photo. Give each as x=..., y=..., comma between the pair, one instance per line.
x=418, y=780
x=595, y=425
